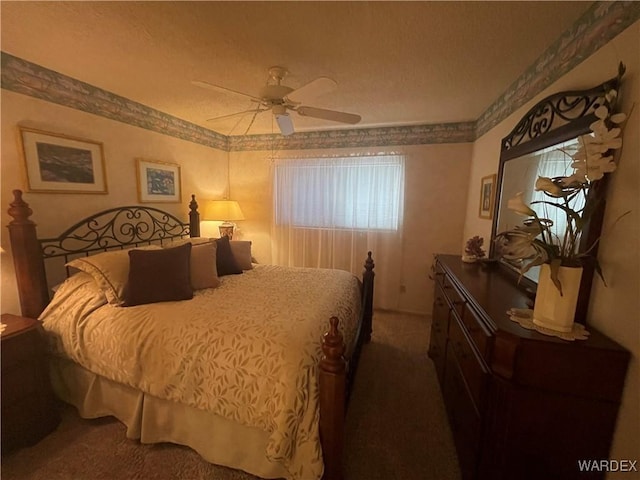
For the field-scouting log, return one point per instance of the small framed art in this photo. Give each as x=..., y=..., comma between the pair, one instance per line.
x=487, y=194
x=57, y=163
x=158, y=182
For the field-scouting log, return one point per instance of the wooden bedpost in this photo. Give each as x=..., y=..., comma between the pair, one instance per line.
x=27, y=258
x=194, y=218
x=333, y=384
x=367, y=298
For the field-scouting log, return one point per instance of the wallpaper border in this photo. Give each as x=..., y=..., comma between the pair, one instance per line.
x=602, y=22
x=597, y=26
x=359, y=137
x=21, y=76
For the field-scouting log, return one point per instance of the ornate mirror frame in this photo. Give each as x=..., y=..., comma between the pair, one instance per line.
x=556, y=119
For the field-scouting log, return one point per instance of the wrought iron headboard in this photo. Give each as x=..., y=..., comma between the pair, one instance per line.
x=116, y=228
x=120, y=227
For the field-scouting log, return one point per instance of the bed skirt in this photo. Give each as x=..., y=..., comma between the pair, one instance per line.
x=153, y=420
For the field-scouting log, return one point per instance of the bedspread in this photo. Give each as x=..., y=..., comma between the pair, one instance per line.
x=247, y=350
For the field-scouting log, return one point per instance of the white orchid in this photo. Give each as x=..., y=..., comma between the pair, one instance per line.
x=597, y=167
x=548, y=185
x=517, y=205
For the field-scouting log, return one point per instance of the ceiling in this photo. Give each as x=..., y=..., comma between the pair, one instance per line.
x=395, y=63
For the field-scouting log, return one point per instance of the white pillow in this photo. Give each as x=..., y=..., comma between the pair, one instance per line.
x=110, y=270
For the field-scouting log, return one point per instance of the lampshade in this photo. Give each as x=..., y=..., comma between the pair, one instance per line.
x=223, y=210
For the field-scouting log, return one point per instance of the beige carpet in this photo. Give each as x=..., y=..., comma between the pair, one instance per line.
x=396, y=427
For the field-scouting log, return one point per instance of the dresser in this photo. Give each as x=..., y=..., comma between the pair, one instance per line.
x=521, y=405
x=28, y=406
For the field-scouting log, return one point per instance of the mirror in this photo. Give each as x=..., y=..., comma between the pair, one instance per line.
x=520, y=174
x=541, y=144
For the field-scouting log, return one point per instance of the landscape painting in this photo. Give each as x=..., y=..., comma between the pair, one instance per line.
x=158, y=182
x=63, y=164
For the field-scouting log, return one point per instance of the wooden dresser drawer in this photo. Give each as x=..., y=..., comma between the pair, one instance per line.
x=453, y=296
x=472, y=367
x=439, y=329
x=478, y=332
x=463, y=417
x=440, y=320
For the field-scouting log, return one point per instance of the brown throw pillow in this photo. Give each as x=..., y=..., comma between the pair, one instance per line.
x=159, y=276
x=110, y=271
x=203, y=266
x=241, y=250
x=225, y=261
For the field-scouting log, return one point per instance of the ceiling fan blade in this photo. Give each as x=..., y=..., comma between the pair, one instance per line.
x=313, y=89
x=284, y=123
x=218, y=88
x=231, y=115
x=332, y=115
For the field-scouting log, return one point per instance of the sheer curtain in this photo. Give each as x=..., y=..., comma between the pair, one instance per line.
x=555, y=162
x=329, y=212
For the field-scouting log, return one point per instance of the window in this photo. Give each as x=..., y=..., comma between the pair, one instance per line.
x=364, y=193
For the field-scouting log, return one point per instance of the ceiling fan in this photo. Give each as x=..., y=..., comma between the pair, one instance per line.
x=281, y=99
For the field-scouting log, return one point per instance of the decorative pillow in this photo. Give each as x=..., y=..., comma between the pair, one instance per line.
x=241, y=250
x=110, y=270
x=204, y=273
x=159, y=276
x=225, y=261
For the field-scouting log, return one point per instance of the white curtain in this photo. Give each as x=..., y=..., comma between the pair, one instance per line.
x=555, y=162
x=329, y=212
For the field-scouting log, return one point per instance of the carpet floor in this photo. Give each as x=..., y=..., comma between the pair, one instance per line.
x=396, y=427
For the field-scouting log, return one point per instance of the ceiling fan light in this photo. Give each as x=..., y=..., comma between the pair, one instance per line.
x=284, y=122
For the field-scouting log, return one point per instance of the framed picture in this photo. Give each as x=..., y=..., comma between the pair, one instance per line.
x=158, y=182
x=487, y=194
x=58, y=163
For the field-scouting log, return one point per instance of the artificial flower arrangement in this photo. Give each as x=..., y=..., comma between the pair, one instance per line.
x=473, y=249
x=534, y=243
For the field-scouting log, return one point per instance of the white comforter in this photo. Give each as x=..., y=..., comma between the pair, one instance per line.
x=247, y=350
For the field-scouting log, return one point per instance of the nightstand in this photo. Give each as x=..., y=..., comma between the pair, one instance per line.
x=29, y=409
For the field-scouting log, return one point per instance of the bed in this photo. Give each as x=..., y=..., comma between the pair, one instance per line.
x=253, y=374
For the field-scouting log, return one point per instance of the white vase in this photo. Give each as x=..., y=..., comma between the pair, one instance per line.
x=552, y=310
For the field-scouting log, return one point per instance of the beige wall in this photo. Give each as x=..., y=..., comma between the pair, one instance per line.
x=435, y=199
x=613, y=310
x=203, y=171
x=434, y=204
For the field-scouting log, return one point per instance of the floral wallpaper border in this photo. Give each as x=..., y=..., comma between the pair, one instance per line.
x=22, y=76
x=359, y=137
x=597, y=26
